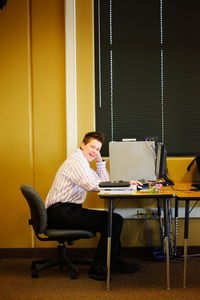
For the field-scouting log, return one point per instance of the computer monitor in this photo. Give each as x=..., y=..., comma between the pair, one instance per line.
x=161, y=164
x=132, y=160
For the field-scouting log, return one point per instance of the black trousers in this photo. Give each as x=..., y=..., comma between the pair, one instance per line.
x=73, y=216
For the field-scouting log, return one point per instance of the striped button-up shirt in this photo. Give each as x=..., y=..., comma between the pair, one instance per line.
x=74, y=178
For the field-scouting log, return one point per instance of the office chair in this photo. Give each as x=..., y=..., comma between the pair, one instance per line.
x=38, y=221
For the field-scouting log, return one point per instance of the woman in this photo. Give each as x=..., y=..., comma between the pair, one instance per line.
x=67, y=194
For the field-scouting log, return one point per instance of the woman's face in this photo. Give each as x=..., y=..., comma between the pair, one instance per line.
x=92, y=149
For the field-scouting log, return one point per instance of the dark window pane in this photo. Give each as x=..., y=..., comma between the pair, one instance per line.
x=149, y=55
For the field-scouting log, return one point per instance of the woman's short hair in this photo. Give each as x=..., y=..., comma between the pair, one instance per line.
x=93, y=135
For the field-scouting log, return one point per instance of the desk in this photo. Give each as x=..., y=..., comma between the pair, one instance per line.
x=183, y=193
x=165, y=193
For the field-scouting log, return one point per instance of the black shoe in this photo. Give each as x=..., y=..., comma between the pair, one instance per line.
x=124, y=268
x=97, y=272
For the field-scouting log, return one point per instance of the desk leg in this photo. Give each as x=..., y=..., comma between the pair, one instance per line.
x=175, y=227
x=166, y=239
x=186, y=227
x=185, y=263
x=110, y=212
x=166, y=242
x=160, y=224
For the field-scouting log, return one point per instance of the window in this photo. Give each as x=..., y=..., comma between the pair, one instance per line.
x=147, y=72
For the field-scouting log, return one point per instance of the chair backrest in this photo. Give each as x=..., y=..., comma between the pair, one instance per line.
x=37, y=209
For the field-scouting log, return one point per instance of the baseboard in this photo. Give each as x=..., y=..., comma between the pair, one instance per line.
x=142, y=252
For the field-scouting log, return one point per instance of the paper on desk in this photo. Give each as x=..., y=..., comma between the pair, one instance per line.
x=118, y=190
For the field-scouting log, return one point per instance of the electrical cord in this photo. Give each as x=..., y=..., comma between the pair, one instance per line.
x=140, y=233
x=117, y=203
x=193, y=206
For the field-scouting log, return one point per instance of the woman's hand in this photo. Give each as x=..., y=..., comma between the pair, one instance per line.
x=135, y=182
x=98, y=156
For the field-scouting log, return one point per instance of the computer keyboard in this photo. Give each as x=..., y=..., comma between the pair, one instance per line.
x=144, y=181
x=117, y=183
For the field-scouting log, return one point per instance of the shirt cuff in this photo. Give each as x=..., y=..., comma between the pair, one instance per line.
x=101, y=164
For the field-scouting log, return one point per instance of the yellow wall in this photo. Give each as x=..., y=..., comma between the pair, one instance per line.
x=33, y=119
x=85, y=67
x=15, y=147
x=32, y=85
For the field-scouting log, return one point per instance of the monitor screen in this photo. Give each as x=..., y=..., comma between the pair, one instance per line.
x=161, y=164
x=161, y=157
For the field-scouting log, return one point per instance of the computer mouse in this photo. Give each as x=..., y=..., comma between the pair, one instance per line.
x=139, y=187
x=145, y=185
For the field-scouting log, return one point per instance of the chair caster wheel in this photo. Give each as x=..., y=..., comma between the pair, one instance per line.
x=74, y=276
x=34, y=274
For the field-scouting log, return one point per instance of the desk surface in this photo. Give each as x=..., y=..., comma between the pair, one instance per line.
x=164, y=191
x=179, y=190
x=182, y=190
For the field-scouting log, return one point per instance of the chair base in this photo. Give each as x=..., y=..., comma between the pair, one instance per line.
x=45, y=264
x=62, y=260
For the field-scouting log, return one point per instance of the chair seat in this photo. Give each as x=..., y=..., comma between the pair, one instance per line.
x=72, y=234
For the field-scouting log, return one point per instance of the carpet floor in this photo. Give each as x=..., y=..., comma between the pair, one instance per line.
x=149, y=283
